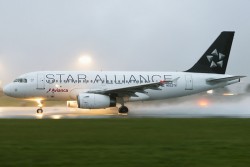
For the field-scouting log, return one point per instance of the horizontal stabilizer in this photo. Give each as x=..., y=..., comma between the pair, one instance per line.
x=215, y=81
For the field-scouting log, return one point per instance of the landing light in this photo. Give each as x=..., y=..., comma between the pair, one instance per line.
x=210, y=92
x=228, y=94
x=39, y=101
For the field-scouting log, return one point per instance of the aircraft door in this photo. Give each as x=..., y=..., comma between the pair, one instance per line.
x=189, y=82
x=40, y=81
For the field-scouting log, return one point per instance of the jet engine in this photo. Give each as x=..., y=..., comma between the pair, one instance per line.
x=95, y=101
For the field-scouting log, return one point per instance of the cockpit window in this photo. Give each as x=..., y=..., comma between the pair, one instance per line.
x=21, y=80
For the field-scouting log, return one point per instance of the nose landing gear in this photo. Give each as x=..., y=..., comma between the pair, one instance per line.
x=39, y=111
x=40, y=105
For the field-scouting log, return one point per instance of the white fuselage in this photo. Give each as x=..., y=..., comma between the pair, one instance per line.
x=67, y=85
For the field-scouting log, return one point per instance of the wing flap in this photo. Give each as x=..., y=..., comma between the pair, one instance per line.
x=131, y=91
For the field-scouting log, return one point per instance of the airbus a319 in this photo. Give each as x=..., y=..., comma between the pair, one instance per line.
x=103, y=89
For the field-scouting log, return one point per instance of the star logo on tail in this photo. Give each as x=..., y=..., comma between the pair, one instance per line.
x=216, y=59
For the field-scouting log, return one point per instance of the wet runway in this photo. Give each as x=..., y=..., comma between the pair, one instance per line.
x=137, y=110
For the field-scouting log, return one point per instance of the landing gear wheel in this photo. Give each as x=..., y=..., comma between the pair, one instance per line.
x=123, y=110
x=39, y=111
x=40, y=107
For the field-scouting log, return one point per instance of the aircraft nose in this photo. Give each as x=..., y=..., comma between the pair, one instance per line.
x=7, y=90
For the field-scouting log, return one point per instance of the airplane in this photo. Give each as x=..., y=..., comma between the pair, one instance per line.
x=104, y=89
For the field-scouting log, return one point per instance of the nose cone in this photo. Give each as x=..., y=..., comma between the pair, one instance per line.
x=7, y=90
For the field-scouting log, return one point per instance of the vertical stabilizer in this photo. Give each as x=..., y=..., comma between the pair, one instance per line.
x=215, y=59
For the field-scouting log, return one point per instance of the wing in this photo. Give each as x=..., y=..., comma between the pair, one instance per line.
x=130, y=91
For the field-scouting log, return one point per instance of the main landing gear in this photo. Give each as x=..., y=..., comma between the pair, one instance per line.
x=40, y=109
x=123, y=110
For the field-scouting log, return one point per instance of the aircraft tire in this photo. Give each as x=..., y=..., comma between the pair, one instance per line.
x=39, y=111
x=123, y=110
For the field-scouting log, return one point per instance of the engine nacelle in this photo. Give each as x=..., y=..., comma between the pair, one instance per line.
x=95, y=101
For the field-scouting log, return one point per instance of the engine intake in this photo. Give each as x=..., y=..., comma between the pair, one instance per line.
x=95, y=101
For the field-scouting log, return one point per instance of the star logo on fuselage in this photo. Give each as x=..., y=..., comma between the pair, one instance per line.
x=216, y=59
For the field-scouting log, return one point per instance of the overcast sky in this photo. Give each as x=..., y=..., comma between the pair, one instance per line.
x=142, y=35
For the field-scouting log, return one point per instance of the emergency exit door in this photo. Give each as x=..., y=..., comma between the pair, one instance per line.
x=189, y=82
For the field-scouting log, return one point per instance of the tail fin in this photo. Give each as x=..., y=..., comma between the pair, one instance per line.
x=215, y=59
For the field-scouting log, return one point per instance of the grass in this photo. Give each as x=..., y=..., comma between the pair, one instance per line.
x=125, y=142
